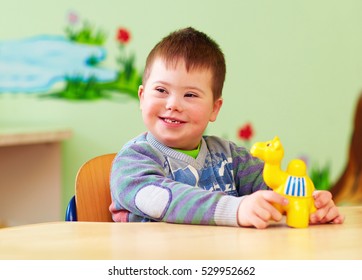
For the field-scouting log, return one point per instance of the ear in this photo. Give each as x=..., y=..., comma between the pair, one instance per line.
x=140, y=91
x=277, y=144
x=140, y=94
x=216, y=109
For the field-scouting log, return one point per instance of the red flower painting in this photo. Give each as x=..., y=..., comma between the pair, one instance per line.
x=246, y=132
x=123, y=35
x=125, y=59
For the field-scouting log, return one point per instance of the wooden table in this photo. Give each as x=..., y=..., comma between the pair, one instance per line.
x=134, y=241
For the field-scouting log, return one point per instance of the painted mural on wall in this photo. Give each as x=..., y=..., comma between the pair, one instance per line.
x=38, y=64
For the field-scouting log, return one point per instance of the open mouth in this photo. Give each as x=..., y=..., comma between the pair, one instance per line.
x=171, y=121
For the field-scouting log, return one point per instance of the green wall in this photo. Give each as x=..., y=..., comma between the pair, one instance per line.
x=293, y=70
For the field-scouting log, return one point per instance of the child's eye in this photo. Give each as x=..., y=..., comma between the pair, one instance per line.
x=161, y=90
x=190, y=94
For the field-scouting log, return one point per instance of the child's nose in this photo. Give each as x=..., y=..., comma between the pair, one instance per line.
x=174, y=104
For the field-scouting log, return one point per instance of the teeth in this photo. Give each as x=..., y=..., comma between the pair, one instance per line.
x=171, y=121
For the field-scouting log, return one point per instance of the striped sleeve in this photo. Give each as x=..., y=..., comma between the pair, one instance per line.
x=248, y=171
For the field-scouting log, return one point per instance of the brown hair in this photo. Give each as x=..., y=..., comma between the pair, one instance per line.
x=196, y=49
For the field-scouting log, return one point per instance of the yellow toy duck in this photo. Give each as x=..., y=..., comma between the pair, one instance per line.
x=294, y=184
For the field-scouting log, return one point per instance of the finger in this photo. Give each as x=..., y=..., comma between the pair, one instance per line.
x=274, y=213
x=339, y=219
x=273, y=197
x=327, y=214
x=267, y=212
x=253, y=219
x=333, y=216
x=258, y=223
x=319, y=215
x=321, y=198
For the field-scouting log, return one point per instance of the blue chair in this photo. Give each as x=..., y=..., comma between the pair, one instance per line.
x=71, y=211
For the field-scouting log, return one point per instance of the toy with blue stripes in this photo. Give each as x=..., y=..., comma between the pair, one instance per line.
x=293, y=183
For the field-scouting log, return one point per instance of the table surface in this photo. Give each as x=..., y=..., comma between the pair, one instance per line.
x=162, y=241
x=13, y=136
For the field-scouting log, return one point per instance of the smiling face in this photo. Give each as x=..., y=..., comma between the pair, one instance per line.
x=177, y=104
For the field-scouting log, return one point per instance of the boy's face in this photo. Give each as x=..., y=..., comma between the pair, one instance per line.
x=177, y=105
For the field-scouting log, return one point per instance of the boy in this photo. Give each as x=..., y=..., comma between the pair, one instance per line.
x=172, y=172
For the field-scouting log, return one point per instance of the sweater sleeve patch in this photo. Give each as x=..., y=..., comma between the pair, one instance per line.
x=153, y=201
x=226, y=211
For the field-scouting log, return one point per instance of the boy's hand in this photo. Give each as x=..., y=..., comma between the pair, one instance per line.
x=257, y=209
x=327, y=211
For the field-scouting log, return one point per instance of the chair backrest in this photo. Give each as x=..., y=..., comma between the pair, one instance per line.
x=92, y=190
